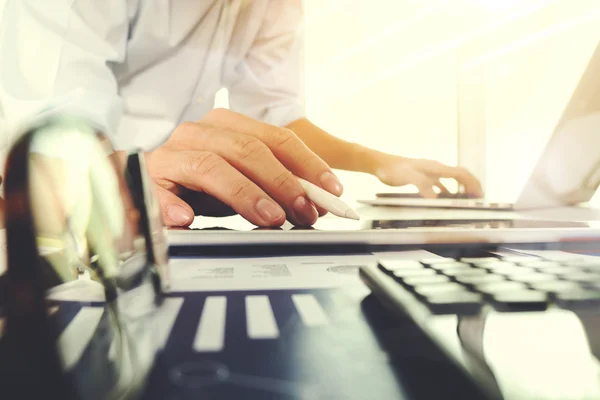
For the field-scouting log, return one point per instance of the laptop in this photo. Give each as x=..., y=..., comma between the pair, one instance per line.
x=566, y=174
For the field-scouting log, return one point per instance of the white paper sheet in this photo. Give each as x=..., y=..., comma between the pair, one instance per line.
x=303, y=272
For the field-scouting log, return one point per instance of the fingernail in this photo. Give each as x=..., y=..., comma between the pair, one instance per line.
x=179, y=215
x=331, y=183
x=269, y=211
x=305, y=212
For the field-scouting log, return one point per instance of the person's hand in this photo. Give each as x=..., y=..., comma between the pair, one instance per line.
x=424, y=174
x=245, y=164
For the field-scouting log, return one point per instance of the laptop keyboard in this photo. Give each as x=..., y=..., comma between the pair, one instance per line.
x=510, y=284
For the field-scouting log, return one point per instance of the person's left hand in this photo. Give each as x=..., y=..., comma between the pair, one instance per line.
x=424, y=174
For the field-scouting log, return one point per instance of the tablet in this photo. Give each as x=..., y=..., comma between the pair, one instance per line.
x=399, y=195
x=384, y=232
x=445, y=202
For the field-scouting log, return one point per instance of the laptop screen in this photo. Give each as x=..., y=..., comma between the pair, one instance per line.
x=568, y=171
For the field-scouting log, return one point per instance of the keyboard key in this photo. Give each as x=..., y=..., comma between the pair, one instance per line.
x=584, y=277
x=439, y=260
x=532, y=278
x=478, y=260
x=425, y=280
x=514, y=271
x=579, y=299
x=556, y=286
x=464, y=303
x=392, y=265
x=562, y=270
x=520, y=259
x=500, y=287
x=462, y=271
x=451, y=265
x=495, y=265
x=585, y=263
x=589, y=265
x=540, y=264
x=439, y=288
x=522, y=300
x=479, y=279
x=405, y=273
x=564, y=257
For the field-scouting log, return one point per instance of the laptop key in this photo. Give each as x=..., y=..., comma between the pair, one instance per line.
x=390, y=265
x=520, y=259
x=588, y=264
x=439, y=288
x=463, y=303
x=500, y=287
x=405, y=273
x=581, y=299
x=425, y=280
x=479, y=279
x=478, y=260
x=532, y=278
x=584, y=277
x=439, y=260
x=562, y=270
x=522, y=300
x=463, y=271
x=514, y=271
x=451, y=265
x=540, y=264
x=556, y=286
x=564, y=258
x=495, y=265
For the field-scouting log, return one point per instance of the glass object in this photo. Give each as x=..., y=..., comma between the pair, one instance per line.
x=84, y=236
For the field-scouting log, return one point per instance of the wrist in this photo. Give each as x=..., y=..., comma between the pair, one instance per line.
x=367, y=160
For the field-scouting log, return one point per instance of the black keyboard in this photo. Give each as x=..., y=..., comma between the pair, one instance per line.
x=464, y=286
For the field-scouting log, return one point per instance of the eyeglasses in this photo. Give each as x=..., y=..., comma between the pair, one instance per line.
x=84, y=236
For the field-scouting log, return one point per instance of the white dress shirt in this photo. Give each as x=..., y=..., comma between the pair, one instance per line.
x=138, y=68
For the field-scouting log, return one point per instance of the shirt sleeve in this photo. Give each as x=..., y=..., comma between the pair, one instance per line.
x=266, y=84
x=57, y=55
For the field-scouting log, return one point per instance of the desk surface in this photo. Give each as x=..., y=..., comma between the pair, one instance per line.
x=312, y=337
x=284, y=327
x=287, y=327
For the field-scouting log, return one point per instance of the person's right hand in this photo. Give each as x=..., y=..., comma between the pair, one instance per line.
x=248, y=165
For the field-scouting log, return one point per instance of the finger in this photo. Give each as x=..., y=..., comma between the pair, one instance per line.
x=322, y=212
x=175, y=212
x=423, y=183
x=285, y=145
x=460, y=174
x=207, y=172
x=442, y=187
x=253, y=159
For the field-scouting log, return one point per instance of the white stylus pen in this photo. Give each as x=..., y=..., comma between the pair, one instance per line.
x=326, y=200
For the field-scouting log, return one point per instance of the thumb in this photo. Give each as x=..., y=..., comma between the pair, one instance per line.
x=175, y=212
